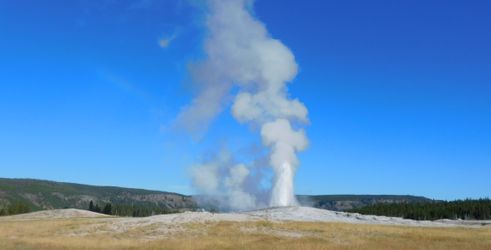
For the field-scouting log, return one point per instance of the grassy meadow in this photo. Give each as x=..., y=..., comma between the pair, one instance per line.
x=100, y=233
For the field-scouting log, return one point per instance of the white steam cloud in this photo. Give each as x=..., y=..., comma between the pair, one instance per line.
x=242, y=54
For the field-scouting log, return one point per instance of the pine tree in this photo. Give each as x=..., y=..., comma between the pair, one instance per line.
x=91, y=206
x=97, y=209
x=107, y=209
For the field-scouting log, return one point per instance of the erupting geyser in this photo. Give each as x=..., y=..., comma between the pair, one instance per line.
x=282, y=193
x=284, y=142
x=242, y=56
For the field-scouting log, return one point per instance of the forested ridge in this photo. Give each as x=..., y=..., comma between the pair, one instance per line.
x=129, y=210
x=479, y=209
x=26, y=195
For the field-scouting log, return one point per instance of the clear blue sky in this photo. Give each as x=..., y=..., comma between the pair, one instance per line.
x=398, y=92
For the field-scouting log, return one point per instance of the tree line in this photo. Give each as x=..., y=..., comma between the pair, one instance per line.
x=130, y=210
x=468, y=209
x=15, y=208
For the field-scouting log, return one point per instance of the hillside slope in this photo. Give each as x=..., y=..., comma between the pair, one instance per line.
x=348, y=202
x=41, y=194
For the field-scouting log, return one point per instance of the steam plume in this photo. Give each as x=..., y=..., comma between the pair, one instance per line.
x=241, y=54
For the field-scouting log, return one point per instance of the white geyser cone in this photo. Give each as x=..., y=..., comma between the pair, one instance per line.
x=283, y=193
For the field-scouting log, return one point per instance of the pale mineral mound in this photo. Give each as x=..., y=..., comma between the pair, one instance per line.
x=276, y=214
x=58, y=214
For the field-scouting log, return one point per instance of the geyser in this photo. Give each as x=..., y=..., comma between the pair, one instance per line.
x=284, y=142
x=282, y=193
x=242, y=56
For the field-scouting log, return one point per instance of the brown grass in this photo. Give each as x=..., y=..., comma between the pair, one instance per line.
x=96, y=234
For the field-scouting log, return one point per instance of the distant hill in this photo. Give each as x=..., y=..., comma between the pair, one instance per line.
x=349, y=202
x=41, y=194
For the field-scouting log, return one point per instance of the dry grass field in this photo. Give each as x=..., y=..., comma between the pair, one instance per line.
x=101, y=233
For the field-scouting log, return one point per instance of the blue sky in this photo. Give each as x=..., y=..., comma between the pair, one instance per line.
x=398, y=92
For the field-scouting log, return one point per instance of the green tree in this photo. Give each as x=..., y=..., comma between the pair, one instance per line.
x=18, y=208
x=107, y=209
x=97, y=209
